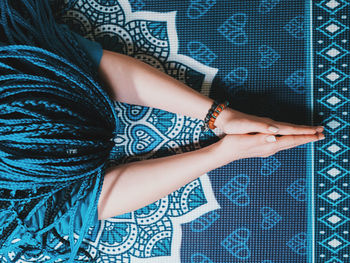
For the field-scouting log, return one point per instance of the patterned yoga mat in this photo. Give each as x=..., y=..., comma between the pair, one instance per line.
x=285, y=59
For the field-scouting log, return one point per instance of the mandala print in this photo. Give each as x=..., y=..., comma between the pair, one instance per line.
x=152, y=232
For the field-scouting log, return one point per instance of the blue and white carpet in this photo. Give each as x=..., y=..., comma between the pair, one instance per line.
x=288, y=60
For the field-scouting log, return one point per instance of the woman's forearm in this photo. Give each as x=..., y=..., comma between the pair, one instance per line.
x=134, y=82
x=135, y=185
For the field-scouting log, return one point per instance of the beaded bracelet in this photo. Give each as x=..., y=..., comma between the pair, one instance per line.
x=212, y=114
x=211, y=110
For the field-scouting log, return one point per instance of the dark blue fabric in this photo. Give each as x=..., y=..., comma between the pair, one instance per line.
x=259, y=56
x=92, y=48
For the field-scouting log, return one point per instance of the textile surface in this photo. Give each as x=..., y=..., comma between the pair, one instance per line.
x=288, y=60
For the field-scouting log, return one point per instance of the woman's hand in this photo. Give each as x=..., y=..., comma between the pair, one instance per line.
x=235, y=147
x=231, y=121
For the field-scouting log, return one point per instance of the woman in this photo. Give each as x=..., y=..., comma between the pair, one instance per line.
x=57, y=125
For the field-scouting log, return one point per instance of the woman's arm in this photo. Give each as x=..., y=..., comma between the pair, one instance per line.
x=135, y=82
x=131, y=186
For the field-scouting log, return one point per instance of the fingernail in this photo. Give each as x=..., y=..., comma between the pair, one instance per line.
x=321, y=136
x=271, y=138
x=319, y=129
x=273, y=129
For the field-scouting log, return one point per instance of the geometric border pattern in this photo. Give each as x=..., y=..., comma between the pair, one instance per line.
x=331, y=63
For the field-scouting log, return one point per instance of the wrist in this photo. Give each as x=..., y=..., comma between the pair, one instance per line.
x=223, y=118
x=224, y=151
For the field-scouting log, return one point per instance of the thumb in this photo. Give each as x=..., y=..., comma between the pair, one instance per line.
x=264, y=127
x=268, y=128
x=270, y=138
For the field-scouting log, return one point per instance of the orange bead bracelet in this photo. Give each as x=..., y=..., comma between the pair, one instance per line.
x=209, y=122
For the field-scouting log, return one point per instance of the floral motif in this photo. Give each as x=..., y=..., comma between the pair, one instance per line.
x=114, y=232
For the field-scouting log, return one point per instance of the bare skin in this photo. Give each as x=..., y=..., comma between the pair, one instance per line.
x=131, y=186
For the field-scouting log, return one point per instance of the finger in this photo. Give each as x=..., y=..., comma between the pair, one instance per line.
x=291, y=141
x=285, y=128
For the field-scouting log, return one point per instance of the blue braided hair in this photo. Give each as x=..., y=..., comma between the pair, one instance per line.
x=56, y=129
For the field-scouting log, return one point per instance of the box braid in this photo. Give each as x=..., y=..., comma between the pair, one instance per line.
x=56, y=129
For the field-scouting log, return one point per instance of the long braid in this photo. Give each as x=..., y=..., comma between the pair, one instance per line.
x=55, y=233
x=50, y=213
x=56, y=128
